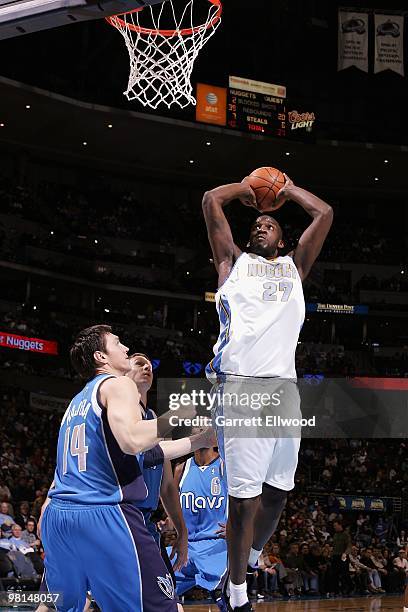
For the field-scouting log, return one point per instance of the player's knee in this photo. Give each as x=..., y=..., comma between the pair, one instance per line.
x=241, y=510
x=272, y=496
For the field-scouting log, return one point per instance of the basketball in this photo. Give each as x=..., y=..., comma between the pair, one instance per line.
x=266, y=182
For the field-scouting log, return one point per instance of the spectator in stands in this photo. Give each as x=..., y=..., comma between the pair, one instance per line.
x=4, y=492
x=30, y=536
x=4, y=514
x=380, y=563
x=341, y=548
x=402, y=540
x=314, y=575
x=22, y=546
x=294, y=566
x=23, y=514
x=359, y=573
x=373, y=573
x=271, y=571
x=400, y=564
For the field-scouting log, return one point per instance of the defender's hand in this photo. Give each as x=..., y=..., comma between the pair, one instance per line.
x=180, y=548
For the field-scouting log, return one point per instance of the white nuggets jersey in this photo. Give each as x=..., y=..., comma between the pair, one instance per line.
x=261, y=309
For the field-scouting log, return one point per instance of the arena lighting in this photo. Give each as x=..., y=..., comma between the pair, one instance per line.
x=52, y=233
x=385, y=161
x=28, y=106
x=208, y=143
x=376, y=178
x=187, y=273
x=106, y=310
x=191, y=161
x=110, y=125
x=1, y=124
x=287, y=153
x=95, y=241
x=84, y=143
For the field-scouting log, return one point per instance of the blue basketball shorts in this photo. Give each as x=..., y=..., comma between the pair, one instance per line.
x=105, y=549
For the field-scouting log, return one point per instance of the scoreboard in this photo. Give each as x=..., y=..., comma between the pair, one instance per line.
x=255, y=112
x=256, y=107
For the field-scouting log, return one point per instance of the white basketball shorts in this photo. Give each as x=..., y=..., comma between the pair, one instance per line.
x=257, y=421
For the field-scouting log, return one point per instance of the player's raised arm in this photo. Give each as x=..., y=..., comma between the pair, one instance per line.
x=224, y=250
x=311, y=241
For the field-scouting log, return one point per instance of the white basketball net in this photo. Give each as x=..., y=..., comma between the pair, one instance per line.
x=161, y=63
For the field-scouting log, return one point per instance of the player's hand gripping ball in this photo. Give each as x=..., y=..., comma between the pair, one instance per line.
x=268, y=185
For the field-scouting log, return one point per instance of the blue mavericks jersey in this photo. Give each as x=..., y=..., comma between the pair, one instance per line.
x=152, y=475
x=91, y=468
x=203, y=498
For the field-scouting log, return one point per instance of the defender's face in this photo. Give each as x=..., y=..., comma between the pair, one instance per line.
x=141, y=372
x=265, y=237
x=116, y=354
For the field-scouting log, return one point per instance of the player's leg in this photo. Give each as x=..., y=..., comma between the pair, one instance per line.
x=279, y=480
x=282, y=459
x=271, y=505
x=211, y=560
x=64, y=569
x=245, y=474
x=127, y=574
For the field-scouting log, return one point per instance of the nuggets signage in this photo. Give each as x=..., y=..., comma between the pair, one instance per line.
x=368, y=504
x=35, y=345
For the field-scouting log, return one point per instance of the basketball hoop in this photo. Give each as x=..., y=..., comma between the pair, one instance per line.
x=162, y=60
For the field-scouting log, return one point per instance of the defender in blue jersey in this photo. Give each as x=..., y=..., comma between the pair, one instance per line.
x=94, y=536
x=158, y=478
x=203, y=496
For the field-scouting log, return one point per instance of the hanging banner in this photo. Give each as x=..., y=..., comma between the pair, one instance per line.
x=389, y=43
x=352, y=40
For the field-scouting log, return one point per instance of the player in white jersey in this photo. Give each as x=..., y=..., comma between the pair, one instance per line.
x=261, y=309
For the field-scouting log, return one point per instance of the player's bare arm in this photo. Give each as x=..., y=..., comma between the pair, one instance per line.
x=134, y=435
x=178, y=473
x=173, y=449
x=311, y=241
x=224, y=250
x=171, y=501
